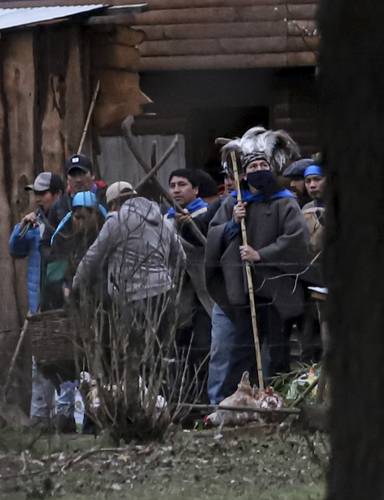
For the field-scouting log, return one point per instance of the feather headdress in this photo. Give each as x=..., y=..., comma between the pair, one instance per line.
x=275, y=146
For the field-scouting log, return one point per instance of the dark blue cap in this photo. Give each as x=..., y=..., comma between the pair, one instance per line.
x=297, y=168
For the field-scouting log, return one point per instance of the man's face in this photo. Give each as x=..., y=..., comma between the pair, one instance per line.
x=229, y=184
x=45, y=199
x=78, y=180
x=182, y=190
x=297, y=186
x=315, y=185
x=257, y=165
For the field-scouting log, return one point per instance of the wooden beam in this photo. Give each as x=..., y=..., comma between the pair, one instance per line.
x=297, y=28
x=191, y=4
x=217, y=30
x=302, y=11
x=303, y=43
x=237, y=61
x=302, y=58
x=260, y=45
x=122, y=35
x=125, y=19
x=209, y=15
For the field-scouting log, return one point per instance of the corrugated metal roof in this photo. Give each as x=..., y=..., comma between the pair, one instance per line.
x=13, y=18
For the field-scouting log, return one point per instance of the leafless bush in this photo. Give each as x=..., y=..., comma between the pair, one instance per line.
x=128, y=348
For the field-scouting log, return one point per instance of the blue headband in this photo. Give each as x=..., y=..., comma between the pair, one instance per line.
x=313, y=170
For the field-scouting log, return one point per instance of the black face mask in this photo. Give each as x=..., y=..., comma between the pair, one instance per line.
x=264, y=181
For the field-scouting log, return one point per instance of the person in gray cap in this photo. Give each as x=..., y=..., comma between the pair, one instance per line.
x=26, y=235
x=295, y=173
x=25, y=242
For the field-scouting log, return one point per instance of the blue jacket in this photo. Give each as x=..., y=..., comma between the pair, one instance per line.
x=29, y=246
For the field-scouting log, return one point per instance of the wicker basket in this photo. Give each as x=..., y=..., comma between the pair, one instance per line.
x=52, y=336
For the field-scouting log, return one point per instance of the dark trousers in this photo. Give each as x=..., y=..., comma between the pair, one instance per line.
x=238, y=353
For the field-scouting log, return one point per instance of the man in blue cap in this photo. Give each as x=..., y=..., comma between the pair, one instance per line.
x=314, y=180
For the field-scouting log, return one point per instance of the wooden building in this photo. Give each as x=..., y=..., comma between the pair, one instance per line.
x=210, y=68
x=215, y=67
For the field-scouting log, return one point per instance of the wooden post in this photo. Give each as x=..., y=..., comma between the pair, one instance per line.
x=249, y=282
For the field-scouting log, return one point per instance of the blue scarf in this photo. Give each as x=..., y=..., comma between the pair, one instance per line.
x=249, y=197
x=192, y=207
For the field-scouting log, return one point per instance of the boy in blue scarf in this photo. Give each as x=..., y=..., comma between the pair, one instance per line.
x=195, y=304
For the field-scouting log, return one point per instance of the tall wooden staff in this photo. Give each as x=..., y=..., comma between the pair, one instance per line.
x=249, y=280
x=89, y=116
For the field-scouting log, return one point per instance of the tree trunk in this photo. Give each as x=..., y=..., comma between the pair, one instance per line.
x=352, y=104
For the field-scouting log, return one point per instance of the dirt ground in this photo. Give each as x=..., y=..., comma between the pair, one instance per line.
x=253, y=462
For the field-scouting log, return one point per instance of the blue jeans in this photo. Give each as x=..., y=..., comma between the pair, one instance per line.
x=220, y=366
x=233, y=349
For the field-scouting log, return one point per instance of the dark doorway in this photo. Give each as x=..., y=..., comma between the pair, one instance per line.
x=203, y=126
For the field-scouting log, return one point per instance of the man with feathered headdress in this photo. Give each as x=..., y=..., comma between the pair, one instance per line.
x=278, y=245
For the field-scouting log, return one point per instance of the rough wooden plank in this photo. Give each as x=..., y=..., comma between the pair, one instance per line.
x=52, y=133
x=116, y=83
x=8, y=304
x=210, y=15
x=110, y=114
x=74, y=94
x=123, y=19
x=303, y=27
x=303, y=43
x=216, y=30
x=302, y=11
x=19, y=90
x=212, y=47
x=302, y=59
x=53, y=50
x=213, y=62
x=122, y=35
x=115, y=56
x=17, y=129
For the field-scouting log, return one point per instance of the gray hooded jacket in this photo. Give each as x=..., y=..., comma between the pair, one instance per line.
x=142, y=251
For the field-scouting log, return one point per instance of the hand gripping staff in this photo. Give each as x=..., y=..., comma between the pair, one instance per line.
x=249, y=280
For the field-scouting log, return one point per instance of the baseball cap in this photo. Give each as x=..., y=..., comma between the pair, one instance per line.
x=118, y=189
x=78, y=162
x=46, y=181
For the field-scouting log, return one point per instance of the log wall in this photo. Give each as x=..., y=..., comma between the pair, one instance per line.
x=227, y=34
